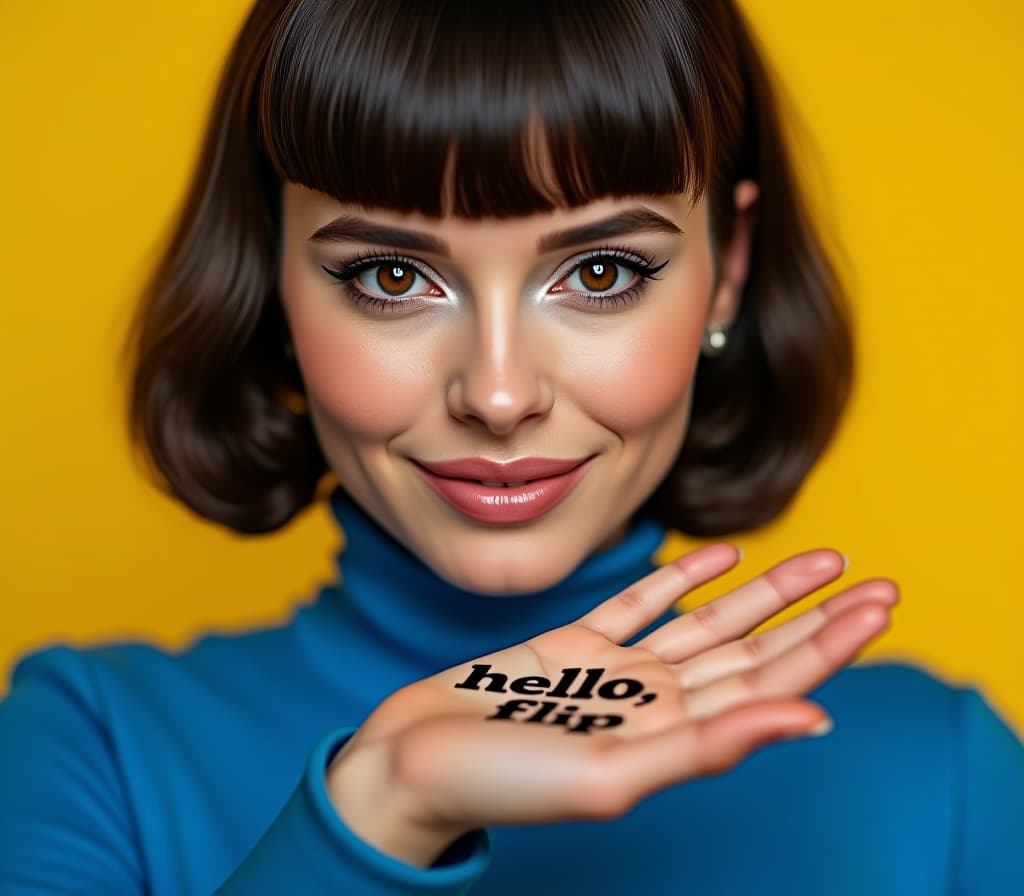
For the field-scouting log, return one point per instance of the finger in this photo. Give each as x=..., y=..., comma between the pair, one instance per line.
x=746, y=653
x=743, y=609
x=631, y=610
x=629, y=770
x=799, y=669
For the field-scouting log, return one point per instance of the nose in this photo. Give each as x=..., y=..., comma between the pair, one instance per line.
x=499, y=379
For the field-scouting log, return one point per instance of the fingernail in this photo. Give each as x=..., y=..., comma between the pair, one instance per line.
x=821, y=729
x=741, y=552
x=846, y=562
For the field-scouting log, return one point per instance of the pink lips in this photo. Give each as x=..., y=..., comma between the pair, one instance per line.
x=522, y=470
x=547, y=482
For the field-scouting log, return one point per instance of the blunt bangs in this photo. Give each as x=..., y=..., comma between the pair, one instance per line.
x=499, y=108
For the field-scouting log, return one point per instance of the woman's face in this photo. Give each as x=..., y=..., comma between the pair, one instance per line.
x=504, y=339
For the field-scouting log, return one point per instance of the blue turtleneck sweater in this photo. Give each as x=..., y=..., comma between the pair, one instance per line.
x=126, y=769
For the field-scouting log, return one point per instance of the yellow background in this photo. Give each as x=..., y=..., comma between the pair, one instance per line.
x=914, y=141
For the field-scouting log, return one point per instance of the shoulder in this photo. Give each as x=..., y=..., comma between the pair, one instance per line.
x=891, y=686
x=75, y=711
x=912, y=712
x=901, y=690
x=87, y=675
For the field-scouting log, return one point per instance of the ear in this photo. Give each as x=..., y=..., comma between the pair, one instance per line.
x=734, y=256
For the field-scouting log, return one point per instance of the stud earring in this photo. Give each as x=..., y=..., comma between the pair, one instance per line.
x=713, y=342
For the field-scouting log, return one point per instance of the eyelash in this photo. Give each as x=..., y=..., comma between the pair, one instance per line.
x=627, y=257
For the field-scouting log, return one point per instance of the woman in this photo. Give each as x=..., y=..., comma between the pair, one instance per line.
x=536, y=285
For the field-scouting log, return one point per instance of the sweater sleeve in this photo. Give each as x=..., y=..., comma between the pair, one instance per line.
x=309, y=834
x=67, y=826
x=990, y=858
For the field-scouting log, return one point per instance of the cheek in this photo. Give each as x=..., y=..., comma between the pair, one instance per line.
x=642, y=376
x=639, y=377
x=368, y=387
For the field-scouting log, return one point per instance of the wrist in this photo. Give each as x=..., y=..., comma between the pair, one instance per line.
x=381, y=814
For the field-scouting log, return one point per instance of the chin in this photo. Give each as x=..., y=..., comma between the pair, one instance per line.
x=506, y=578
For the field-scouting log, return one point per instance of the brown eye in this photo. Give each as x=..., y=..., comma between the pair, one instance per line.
x=602, y=274
x=608, y=279
x=395, y=278
x=598, y=276
x=384, y=284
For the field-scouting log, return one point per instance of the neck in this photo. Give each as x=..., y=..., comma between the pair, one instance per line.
x=393, y=614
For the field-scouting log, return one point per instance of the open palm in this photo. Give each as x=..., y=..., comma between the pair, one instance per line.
x=573, y=724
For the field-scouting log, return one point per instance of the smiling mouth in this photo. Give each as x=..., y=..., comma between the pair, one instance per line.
x=497, y=502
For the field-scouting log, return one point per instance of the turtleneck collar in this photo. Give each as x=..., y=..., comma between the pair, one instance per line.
x=392, y=616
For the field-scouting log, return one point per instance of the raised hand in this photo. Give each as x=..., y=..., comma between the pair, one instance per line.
x=572, y=724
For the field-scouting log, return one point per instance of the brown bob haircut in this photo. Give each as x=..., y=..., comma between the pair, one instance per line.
x=426, y=107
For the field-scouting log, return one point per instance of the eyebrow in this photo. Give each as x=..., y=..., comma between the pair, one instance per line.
x=352, y=228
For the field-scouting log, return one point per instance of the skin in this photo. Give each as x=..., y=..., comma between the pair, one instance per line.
x=506, y=366
x=498, y=364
